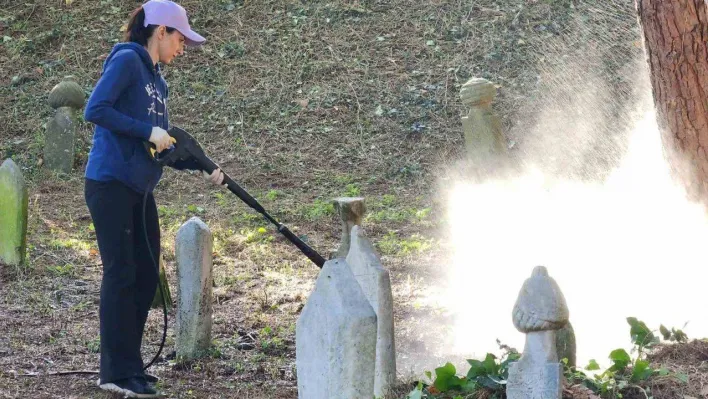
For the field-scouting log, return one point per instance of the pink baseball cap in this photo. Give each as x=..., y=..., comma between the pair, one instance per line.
x=172, y=15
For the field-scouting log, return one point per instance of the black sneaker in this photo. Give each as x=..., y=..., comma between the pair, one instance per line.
x=148, y=377
x=151, y=378
x=134, y=387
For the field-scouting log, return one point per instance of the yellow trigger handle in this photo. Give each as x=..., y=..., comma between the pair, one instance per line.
x=153, y=151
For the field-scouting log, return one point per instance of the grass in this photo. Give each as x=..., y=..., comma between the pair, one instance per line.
x=318, y=210
x=299, y=102
x=259, y=235
x=68, y=270
x=392, y=244
x=71, y=243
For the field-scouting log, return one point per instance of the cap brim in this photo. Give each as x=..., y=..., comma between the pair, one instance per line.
x=192, y=38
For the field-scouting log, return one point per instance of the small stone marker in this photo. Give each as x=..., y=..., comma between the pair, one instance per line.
x=540, y=310
x=484, y=138
x=67, y=98
x=13, y=214
x=193, y=250
x=375, y=282
x=335, y=338
x=351, y=210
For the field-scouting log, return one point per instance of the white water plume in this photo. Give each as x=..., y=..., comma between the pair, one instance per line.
x=629, y=246
x=595, y=204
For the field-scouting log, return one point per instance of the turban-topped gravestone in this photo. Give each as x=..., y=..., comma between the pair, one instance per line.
x=540, y=311
x=67, y=98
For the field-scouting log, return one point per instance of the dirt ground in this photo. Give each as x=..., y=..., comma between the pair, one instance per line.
x=300, y=102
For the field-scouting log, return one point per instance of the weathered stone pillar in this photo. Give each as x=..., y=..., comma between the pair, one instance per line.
x=375, y=282
x=13, y=214
x=335, y=338
x=193, y=251
x=67, y=98
x=484, y=138
x=539, y=312
x=351, y=210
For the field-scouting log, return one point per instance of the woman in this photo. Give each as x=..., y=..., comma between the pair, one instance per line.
x=129, y=107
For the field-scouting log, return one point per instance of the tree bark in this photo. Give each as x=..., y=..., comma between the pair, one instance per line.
x=675, y=35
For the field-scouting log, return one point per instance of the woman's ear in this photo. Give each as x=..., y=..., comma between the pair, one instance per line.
x=161, y=32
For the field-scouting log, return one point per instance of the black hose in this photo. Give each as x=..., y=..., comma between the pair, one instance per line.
x=162, y=292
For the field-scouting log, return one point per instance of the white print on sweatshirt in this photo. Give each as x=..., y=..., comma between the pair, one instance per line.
x=152, y=91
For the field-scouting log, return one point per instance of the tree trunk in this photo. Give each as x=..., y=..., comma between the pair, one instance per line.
x=675, y=35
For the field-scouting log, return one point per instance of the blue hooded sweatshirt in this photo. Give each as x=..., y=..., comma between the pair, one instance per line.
x=128, y=100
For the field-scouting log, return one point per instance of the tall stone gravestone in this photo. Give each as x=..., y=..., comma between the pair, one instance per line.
x=351, y=211
x=193, y=251
x=13, y=214
x=67, y=98
x=484, y=138
x=540, y=311
x=335, y=338
x=375, y=282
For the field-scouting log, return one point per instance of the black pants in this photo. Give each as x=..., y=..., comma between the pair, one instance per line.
x=129, y=274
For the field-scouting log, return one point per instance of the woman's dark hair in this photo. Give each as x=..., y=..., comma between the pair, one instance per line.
x=136, y=31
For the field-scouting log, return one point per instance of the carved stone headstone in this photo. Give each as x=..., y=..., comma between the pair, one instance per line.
x=539, y=312
x=67, y=98
x=335, y=338
x=351, y=210
x=375, y=282
x=484, y=138
x=193, y=251
x=13, y=214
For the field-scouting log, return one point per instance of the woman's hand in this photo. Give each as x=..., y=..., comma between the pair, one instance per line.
x=161, y=139
x=216, y=177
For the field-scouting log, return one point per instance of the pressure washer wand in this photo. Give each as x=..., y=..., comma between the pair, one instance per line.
x=315, y=257
x=188, y=148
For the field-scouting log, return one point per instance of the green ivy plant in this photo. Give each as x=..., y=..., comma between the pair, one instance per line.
x=625, y=373
x=489, y=374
